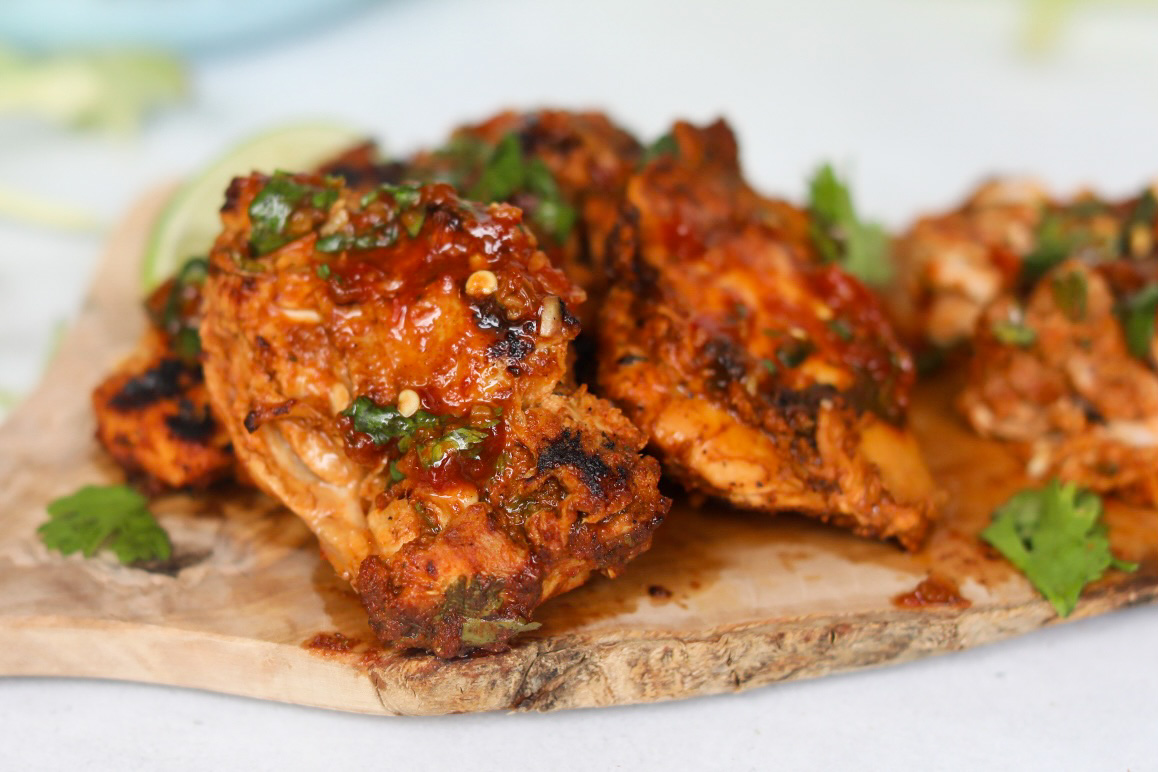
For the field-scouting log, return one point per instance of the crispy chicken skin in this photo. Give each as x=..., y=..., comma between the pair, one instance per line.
x=392, y=366
x=152, y=411
x=1008, y=232
x=759, y=375
x=1057, y=373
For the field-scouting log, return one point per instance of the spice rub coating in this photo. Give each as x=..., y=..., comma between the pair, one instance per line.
x=152, y=412
x=760, y=375
x=392, y=365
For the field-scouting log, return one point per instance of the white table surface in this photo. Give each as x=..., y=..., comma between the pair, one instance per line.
x=918, y=99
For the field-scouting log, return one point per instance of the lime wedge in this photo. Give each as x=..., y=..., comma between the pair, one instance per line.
x=189, y=223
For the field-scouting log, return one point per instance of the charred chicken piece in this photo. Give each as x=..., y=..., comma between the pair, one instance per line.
x=1070, y=373
x=760, y=375
x=392, y=366
x=1003, y=239
x=152, y=411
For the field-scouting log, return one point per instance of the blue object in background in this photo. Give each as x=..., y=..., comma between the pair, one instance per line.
x=188, y=26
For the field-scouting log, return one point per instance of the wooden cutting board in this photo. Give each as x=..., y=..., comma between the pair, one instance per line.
x=724, y=601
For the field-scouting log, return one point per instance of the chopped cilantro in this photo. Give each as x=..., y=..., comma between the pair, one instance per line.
x=405, y=196
x=1069, y=292
x=506, y=172
x=1137, y=313
x=769, y=365
x=412, y=221
x=464, y=438
x=323, y=270
x=860, y=248
x=270, y=210
x=1052, y=246
x=396, y=474
x=1013, y=333
x=324, y=199
x=384, y=423
x=842, y=329
x=794, y=353
x=187, y=344
x=1055, y=536
x=503, y=173
x=665, y=145
x=556, y=217
x=110, y=516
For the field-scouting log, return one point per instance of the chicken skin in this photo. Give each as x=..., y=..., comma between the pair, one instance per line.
x=152, y=411
x=761, y=375
x=392, y=365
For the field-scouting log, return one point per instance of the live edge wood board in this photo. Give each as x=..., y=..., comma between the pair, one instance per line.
x=724, y=601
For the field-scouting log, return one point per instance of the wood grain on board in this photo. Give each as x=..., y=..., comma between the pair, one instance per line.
x=724, y=601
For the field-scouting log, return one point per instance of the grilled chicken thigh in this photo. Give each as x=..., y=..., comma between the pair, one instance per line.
x=392, y=365
x=1058, y=301
x=759, y=374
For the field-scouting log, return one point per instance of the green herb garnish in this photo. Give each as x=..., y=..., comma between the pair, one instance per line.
x=1052, y=245
x=270, y=210
x=1014, y=333
x=665, y=145
x=1137, y=313
x=384, y=423
x=794, y=353
x=464, y=440
x=506, y=172
x=1056, y=537
x=115, y=517
x=842, y=329
x=1070, y=294
x=861, y=248
x=323, y=270
x=503, y=173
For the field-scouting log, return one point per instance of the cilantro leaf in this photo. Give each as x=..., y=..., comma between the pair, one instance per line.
x=665, y=145
x=1137, y=313
x=461, y=439
x=1014, y=333
x=1053, y=245
x=506, y=172
x=1070, y=293
x=384, y=423
x=111, y=516
x=270, y=210
x=1055, y=536
x=840, y=236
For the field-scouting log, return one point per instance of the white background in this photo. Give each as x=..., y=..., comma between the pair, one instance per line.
x=918, y=100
